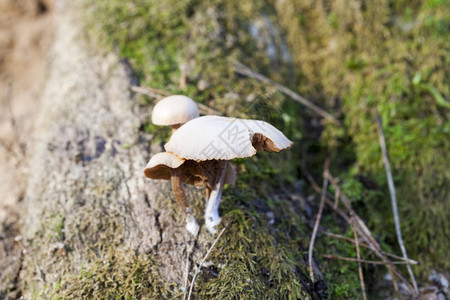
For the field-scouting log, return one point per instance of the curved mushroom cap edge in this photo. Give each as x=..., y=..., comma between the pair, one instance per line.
x=175, y=109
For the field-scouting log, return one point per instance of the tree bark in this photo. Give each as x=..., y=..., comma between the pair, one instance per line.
x=86, y=195
x=93, y=226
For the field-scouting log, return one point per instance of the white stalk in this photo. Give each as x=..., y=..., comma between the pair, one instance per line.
x=191, y=222
x=180, y=196
x=212, y=217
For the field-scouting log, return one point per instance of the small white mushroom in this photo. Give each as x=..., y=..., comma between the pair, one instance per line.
x=168, y=166
x=213, y=141
x=174, y=111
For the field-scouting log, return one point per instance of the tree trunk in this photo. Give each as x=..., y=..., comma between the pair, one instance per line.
x=94, y=227
x=87, y=198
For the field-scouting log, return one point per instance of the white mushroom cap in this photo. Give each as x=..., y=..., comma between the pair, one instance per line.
x=161, y=165
x=214, y=137
x=176, y=109
x=170, y=167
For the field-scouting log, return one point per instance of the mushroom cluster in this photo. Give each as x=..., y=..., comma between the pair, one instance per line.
x=198, y=153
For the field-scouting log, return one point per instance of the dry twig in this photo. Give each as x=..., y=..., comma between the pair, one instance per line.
x=203, y=261
x=394, y=200
x=337, y=193
x=361, y=244
x=186, y=281
x=367, y=235
x=316, y=224
x=244, y=70
x=157, y=94
x=361, y=227
x=373, y=262
x=358, y=257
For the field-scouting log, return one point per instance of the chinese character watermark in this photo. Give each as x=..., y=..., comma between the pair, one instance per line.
x=211, y=151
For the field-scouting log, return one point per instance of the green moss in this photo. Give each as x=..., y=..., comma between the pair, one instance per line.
x=206, y=36
x=117, y=275
x=382, y=58
x=101, y=267
x=55, y=221
x=256, y=260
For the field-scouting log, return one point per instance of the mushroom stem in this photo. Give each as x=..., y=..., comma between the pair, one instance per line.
x=212, y=217
x=180, y=196
x=175, y=127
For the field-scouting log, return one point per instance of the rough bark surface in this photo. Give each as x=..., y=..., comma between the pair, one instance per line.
x=86, y=193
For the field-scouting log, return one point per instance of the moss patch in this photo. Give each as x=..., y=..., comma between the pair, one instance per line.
x=101, y=267
x=388, y=59
x=372, y=58
x=118, y=275
x=261, y=252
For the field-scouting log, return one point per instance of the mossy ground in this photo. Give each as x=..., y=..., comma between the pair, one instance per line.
x=261, y=252
x=375, y=57
x=103, y=268
x=118, y=275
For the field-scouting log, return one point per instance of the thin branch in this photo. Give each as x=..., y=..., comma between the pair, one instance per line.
x=203, y=261
x=363, y=230
x=394, y=200
x=337, y=193
x=338, y=236
x=365, y=233
x=318, y=217
x=208, y=110
x=311, y=179
x=408, y=261
x=313, y=183
x=358, y=257
x=316, y=187
x=342, y=196
x=373, y=262
x=157, y=94
x=186, y=281
x=244, y=70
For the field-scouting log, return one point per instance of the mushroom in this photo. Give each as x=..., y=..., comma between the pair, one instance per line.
x=174, y=110
x=167, y=166
x=212, y=141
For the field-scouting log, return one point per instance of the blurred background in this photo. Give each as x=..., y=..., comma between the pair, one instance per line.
x=354, y=59
x=25, y=39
